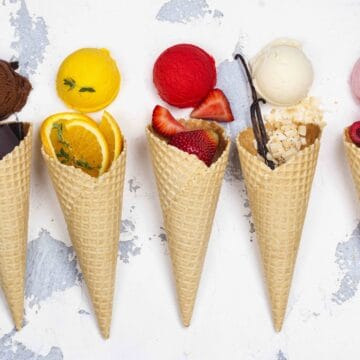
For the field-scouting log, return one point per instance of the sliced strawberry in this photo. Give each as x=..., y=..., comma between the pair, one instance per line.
x=164, y=123
x=214, y=107
x=202, y=143
x=354, y=133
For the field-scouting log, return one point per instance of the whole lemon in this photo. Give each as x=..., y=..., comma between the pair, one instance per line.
x=88, y=79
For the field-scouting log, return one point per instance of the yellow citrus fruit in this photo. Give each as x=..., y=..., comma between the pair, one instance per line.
x=47, y=128
x=75, y=139
x=88, y=79
x=110, y=129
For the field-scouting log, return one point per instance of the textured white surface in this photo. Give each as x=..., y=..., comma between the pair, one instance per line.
x=232, y=316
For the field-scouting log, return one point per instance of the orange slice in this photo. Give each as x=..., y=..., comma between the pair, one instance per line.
x=47, y=127
x=112, y=133
x=75, y=139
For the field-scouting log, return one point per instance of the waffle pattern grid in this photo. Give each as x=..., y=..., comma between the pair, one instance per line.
x=353, y=158
x=278, y=200
x=188, y=192
x=14, y=214
x=92, y=210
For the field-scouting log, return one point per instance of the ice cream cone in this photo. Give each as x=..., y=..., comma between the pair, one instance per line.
x=92, y=210
x=353, y=157
x=278, y=200
x=188, y=192
x=14, y=214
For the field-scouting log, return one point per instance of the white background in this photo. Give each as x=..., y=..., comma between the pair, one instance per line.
x=232, y=317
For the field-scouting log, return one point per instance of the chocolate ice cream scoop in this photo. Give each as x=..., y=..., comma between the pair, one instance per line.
x=14, y=90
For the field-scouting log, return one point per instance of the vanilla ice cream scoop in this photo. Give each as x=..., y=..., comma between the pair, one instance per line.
x=282, y=73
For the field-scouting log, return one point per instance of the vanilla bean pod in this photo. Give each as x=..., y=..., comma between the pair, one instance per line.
x=256, y=116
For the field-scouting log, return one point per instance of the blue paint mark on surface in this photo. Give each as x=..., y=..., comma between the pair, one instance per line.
x=128, y=247
x=218, y=14
x=31, y=39
x=14, y=350
x=9, y=2
x=185, y=11
x=348, y=258
x=51, y=266
x=232, y=81
x=162, y=237
x=281, y=356
x=134, y=185
x=83, y=312
x=127, y=226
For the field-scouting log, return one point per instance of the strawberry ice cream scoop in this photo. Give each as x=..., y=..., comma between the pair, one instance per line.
x=184, y=74
x=355, y=80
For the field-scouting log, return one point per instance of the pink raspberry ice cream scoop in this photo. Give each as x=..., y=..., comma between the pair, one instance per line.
x=355, y=80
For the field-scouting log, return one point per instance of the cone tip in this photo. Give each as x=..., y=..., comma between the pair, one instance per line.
x=104, y=324
x=186, y=319
x=278, y=323
x=105, y=333
x=18, y=324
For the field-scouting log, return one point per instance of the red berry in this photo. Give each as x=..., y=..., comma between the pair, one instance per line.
x=354, y=132
x=214, y=107
x=202, y=143
x=164, y=123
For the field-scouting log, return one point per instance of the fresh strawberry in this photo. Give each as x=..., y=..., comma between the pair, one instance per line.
x=354, y=133
x=202, y=143
x=164, y=123
x=214, y=107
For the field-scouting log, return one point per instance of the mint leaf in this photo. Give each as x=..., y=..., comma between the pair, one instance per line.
x=59, y=133
x=87, y=89
x=64, y=155
x=70, y=82
x=83, y=164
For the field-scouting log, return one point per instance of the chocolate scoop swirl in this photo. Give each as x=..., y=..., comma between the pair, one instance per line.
x=14, y=90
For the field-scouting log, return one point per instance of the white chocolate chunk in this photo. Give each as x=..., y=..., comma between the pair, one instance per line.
x=302, y=130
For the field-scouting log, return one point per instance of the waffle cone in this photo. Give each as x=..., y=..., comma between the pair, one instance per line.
x=278, y=200
x=14, y=215
x=92, y=210
x=353, y=157
x=188, y=192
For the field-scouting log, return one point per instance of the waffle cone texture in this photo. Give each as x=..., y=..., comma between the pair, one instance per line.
x=188, y=192
x=92, y=210
x=278, y=200
x=14, y=215
x=353, y=157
